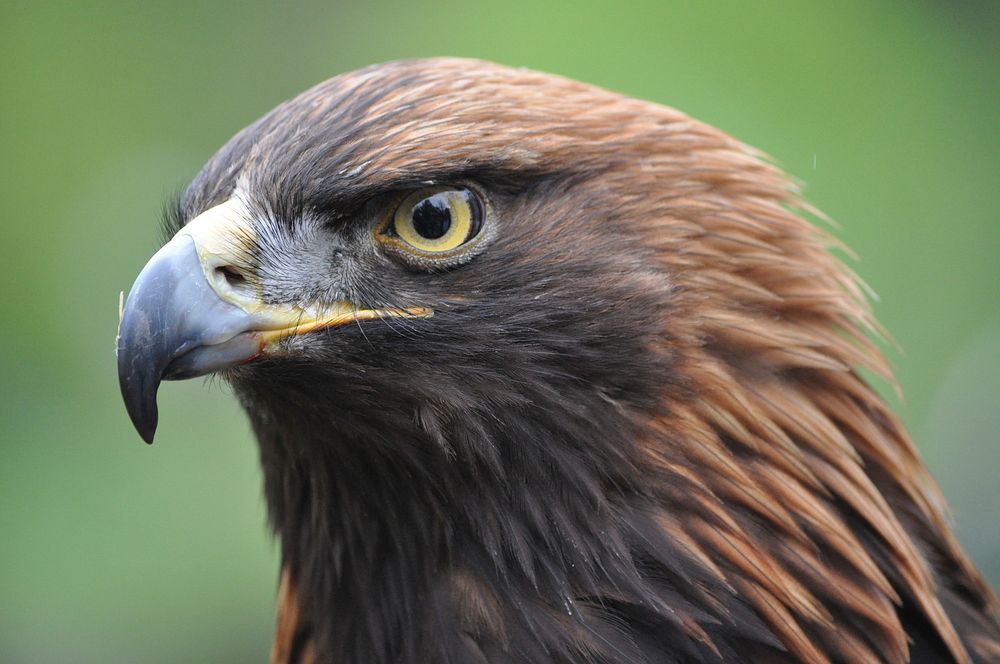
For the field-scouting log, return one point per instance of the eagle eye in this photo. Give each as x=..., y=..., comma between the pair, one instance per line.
x=434, y=223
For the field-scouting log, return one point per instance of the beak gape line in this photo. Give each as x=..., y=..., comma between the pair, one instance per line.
x=180, y=321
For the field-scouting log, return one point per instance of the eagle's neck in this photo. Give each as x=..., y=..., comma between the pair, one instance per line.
x=536, y=533
x=401, y=537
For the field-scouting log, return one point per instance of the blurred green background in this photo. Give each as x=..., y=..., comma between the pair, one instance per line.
x=112, y=551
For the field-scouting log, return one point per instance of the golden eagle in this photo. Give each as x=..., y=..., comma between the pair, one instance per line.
x=542, y=373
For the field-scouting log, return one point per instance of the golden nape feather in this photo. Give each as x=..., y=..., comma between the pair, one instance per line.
x=627, y=425
x=784, y=428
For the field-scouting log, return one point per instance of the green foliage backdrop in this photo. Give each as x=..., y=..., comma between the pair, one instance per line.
x=111, y=551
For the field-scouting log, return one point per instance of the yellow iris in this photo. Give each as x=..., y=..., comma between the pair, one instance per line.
x=435, y=221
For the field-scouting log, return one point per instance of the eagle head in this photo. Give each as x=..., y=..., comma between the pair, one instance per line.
x=542, y=373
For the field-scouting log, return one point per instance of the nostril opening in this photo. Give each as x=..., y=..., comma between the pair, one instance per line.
x=233, y=277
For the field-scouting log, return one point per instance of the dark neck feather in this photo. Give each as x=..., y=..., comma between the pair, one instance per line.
x=495, y=522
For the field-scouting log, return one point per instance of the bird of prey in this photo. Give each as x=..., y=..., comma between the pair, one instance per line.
x=543, y=373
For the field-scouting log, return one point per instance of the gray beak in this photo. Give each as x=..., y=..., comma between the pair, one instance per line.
x=175, y=326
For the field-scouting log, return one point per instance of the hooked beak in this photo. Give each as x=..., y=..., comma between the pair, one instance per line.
x=194, y=310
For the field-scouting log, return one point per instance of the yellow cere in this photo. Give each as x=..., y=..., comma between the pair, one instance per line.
x=220, y=236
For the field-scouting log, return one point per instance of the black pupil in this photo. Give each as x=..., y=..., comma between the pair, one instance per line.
x=432, y=217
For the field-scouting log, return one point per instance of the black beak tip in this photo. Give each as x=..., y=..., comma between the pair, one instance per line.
x=146, y=429
x=140, y=402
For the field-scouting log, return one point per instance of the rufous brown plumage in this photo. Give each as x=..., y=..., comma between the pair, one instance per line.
x=542, y=373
